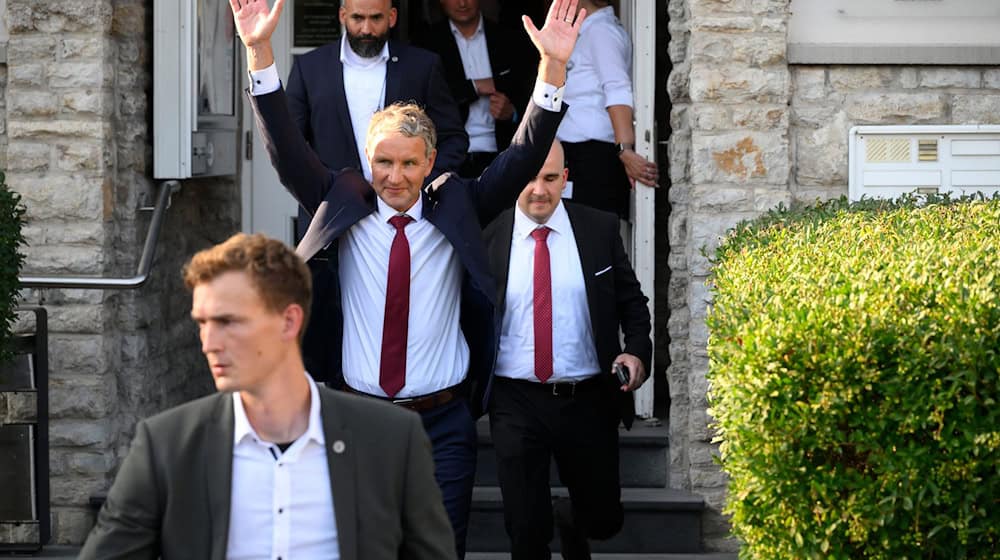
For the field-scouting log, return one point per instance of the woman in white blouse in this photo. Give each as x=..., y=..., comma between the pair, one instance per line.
x=597, y=132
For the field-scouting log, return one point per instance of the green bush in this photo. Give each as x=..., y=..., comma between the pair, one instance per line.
x=854, y=353
x=11, y=217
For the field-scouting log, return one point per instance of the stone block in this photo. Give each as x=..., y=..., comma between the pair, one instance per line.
x=77, y=357
x=757, y=117
x=20, y=407
x=734, y=84
x=98, y=102
x=33, y=48
x=699, y=299
x=737, y=24
x=814, y=195
x=28, y=156
x=908, y=78
x=71, y=525
x=821, y=154
x=774, y=25
x=768, y=199
x=713, y=7
x=715, y=198
x=702, y=454
x=47, y=232
x=87, y=463
x=27, y=76
x=129, y=19
x=975, y=109
x=64, y=128
x=678, y=83
x=82, y=398
x=752, y=49
x=65, y=259
x=677, y=229
x=710, y=116
x=815, y=116
x=82, y=156
x=895, y=108
x=61, y=197
x=706, y=230
x=950, y=78
x=81, y=75
x=24, y=103
x=83, y=47
x=79, y=433
x=57, y=16
x=75, y=490
x=740, y=158
x=852, y=78
x=778, y=9
x=991, y=79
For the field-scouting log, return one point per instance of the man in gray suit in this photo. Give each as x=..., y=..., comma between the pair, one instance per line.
x=272, y=466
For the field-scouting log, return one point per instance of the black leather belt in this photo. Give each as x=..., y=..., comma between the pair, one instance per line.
x=417, y=404
x=561, y=389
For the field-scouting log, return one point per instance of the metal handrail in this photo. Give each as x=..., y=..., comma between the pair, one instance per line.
x=167, y=188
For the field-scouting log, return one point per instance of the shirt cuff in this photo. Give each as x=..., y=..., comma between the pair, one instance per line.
x=264, y=81
x=548, y=96
x=618, y=98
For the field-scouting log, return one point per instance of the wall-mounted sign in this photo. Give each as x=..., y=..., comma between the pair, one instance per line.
x=316, y=22
x=894, y=32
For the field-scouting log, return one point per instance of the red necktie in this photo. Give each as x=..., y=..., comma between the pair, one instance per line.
x=542, y=306
x=392, y=370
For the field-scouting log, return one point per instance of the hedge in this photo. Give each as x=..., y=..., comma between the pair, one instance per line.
x=854, y=356
x=11, y=220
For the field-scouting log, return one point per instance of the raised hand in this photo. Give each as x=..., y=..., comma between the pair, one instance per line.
x=557, y=37
x=255, y=22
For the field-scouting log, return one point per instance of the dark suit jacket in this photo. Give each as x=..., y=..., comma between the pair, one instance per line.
x=338, y=200
x=171, y=497
x=318, y=105
x=513, y=61
x=614, y=297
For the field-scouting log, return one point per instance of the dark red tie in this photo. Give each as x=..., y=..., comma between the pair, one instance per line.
x=542, y=306
x=392, y=370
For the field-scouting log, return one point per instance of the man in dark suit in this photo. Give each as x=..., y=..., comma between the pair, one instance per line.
x=380, y=250
x=565, y=287
x=333, y=90
x=489, y=69
x=274, y=464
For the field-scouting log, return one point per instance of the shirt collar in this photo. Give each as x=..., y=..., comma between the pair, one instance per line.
x=557, y=222
x=385, y=211
x=457, y=33
x=607, y=12
x=314, y=431
x=351, y=58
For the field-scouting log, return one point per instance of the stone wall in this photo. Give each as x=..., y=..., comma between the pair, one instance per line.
x=77, y=131
x=749, y=131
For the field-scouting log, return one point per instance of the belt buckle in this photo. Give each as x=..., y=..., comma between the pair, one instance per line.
x=556, y=391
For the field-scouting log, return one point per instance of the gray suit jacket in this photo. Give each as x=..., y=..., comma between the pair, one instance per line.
x=172, y=494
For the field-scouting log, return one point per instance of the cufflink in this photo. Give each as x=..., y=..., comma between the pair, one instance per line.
x=338, y=447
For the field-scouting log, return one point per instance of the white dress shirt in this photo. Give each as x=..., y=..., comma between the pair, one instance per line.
x=573, y=351
x=281, y=504
x=437, y=355
x=480, y=125
x=364, y=86
x=599, y=76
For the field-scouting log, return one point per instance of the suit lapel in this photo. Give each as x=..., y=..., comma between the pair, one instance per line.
x=218, y=449
x=339, y=97
x=584, y=246
x=393, y=75
x=340, y=459
x=500, y=256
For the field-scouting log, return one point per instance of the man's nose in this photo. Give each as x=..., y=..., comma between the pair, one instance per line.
x=209, y=339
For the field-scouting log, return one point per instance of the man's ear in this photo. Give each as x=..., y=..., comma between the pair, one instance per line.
x=293, y=317
x=392, y=18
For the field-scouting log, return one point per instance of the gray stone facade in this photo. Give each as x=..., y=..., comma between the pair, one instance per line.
x=750, y=131
x=76, y=145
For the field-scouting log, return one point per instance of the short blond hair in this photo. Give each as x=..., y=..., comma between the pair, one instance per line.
x=279, y=275
x=408, y=119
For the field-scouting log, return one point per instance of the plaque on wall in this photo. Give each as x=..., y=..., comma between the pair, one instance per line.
x=316, y=22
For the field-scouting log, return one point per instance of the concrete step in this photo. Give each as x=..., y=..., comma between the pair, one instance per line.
x=643, y=455
x=657, y=520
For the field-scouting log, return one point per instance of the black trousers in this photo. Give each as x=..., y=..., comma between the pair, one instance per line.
x=529, y=426
x=599, y=178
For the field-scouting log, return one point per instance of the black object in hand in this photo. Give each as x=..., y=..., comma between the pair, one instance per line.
x=621, y=371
